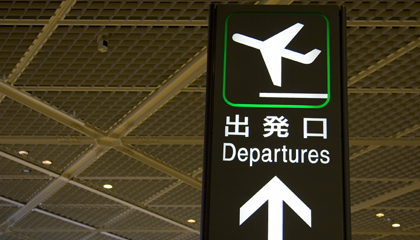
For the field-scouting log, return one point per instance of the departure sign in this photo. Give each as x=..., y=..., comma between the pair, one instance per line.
x=276, y=140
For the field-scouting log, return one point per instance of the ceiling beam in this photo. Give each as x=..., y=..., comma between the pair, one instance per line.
x=100, y=89
x=383, y=62
x=80, y=185
x=387, y=196
x=49, y=111
x=383, y=90
x=116, y=230
x=390, y=233
x=276, y=2
x=183, y=140
x=152, y=104
x=39, y=42
x=138, y=208
x=373, y=147
x=191, y=71
x=358, y=141
x=381, y=23
x=384, y=179
x=89, y=228
x=134, y=153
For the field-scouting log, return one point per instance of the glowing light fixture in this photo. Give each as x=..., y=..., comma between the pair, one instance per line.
x=23, y=152
x=191, y=220
x=46, y=162
x=107, y=186
x=380, y=215
x=396, y=225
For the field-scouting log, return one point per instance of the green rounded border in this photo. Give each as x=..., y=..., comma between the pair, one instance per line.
x=277, y=105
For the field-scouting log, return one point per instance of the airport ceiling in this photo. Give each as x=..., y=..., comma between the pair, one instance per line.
x=133, y=117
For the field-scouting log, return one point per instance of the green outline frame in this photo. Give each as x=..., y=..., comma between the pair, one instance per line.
x=279, y=105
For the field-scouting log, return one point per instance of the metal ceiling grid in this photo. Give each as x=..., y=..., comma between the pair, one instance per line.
x=13, y=169
x=95, y=217
x=366, y=220
x=183, y=115
x=115, y=164
x=134, y=191
x=367, y=45
x=397, y=112
x=183, y=195
x=183, y=213
x=150, y=55
x=366, y=190
x=402, y=73
x=100, y=109
x=61, y=156
x=199, y=83
x=138, y=220
x=14, y=41
x=409, y=200
x=28, y=9
x=380, y=164
x=135, y=10
x=22, y=120
x=21, y=190
x=401, y=10
x=186, y=158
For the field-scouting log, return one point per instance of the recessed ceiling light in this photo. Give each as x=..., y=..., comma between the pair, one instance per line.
x=395, y=225
x=26, y=170
x=47, y=162
x=108, y=186
x=380, y=215
x=23, y=152
x=191, y=220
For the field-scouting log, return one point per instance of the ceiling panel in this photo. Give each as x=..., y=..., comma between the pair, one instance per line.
x=136, y=56
x=187, y=158
x=28, y=9
x=183, y=115
x=100, y=109
x=14, y=41
x=382, y=115
x=22, y=120
x=116, y=164
x=61, y=156
x=381, y=163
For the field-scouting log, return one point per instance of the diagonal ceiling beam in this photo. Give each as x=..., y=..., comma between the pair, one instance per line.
x=100, y=89
x=390, y=195
x=12, y=229
x=384, y=90
x=134, y=153
x=194, y=69
x=373, y=147
x=383, y=62
x=80, y=185
x=39, y=42
x=57, y=183
x=49, y=111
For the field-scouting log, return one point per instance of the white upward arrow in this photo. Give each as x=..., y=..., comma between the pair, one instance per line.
x=275, y=192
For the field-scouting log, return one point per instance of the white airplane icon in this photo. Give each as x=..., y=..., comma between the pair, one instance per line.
x=274, y=49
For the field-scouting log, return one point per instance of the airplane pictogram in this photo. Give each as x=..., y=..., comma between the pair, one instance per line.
x=274, y=49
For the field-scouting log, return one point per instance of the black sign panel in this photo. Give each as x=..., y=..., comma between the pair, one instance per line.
x=276, y=139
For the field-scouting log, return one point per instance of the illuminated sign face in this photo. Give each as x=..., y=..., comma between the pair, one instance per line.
x=281, y=76
x=275, y=153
